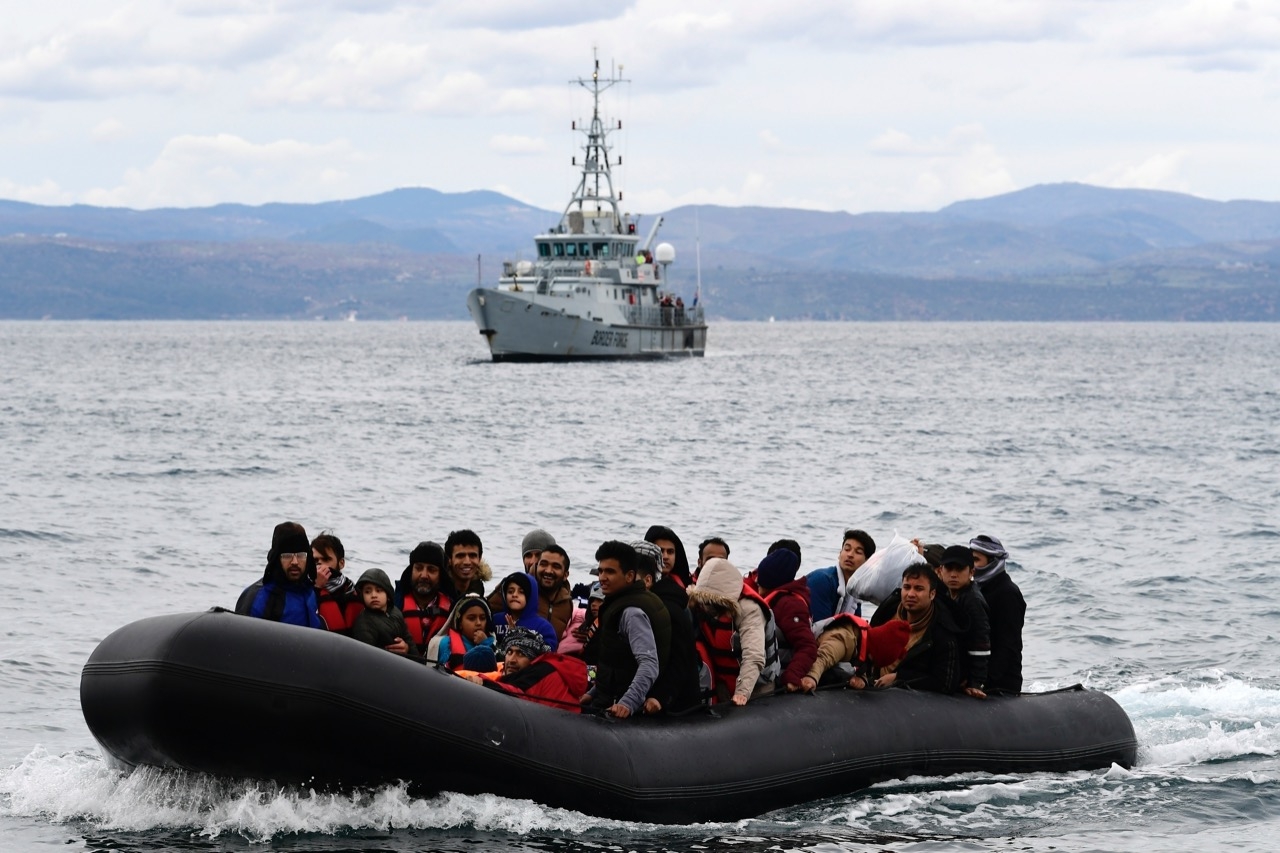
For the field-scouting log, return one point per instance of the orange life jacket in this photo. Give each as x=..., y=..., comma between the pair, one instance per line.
x=424, y=623
x=338, y=616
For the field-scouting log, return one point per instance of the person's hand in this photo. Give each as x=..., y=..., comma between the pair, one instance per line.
x=739, y=700
x=808, y=684
x=474, y=679
x=919, y=545
x=887, y=679
x=858, y=683
x=477, y=636
x=322, y=576
x=399, y=647
x=975, y=692
x=620, y=711
x=652, y=706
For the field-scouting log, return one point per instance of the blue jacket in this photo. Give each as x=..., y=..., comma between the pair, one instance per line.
x=446, y=648
x=529, y=617
x=824, y=593
x=296, y=603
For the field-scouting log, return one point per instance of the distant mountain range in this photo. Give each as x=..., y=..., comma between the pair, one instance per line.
x=1052, y=252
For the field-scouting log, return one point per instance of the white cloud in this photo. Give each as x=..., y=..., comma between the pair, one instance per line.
x=1157, y=172
x=1207, y=34
x=108, y=130
x=195, y=171
x=44, y=192
x=510, y=144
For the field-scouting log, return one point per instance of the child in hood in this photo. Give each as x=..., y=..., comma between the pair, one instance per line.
x=466, y=640
x=381, y=623
x=520, y=599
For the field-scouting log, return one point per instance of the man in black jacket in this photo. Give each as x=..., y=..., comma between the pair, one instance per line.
x=933, y=659
x=1008, y=612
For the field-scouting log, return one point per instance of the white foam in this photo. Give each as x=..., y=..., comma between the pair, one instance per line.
x=79, y=786
x=1215, y=719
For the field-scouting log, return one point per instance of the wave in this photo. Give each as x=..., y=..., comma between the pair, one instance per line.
x=1207, y=753
x=80, y=787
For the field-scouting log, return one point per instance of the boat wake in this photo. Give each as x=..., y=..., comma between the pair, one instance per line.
x=1196, y=742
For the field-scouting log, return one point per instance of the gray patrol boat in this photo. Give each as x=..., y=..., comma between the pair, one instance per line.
x=595, y=290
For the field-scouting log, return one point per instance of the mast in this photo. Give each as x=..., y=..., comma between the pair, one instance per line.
x=594, y=199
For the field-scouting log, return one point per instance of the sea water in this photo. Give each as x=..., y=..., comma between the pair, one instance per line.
x=1133, y=472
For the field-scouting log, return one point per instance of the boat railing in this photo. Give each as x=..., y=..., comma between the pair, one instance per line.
x=664, y=315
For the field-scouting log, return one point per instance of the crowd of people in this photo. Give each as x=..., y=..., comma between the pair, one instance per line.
x=655, y=635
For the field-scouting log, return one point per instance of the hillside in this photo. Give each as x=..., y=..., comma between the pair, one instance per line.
x=1064, y=251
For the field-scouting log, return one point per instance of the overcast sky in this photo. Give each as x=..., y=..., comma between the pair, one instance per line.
x=850, y=105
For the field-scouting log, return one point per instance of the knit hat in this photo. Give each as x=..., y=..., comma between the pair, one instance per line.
x=957, y=555
x=525, y=640
x=777, y=569
x=988, y=545
x=480, y=659
x=378, y=578
x=427, y=552
x=649, y=550
x=536, y=540
x=888, y=642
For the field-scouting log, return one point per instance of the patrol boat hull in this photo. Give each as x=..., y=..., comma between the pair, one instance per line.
x=237, y=697
x=521, y=326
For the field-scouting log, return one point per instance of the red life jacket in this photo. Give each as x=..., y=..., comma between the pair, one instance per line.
x=424, y=623
x=457, y=650
x=338, y=616
x=863, y=626
x=550, y=679
x=714, y=640
x=717, y=643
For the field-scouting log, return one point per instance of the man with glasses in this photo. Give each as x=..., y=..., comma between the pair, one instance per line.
x=287, y=590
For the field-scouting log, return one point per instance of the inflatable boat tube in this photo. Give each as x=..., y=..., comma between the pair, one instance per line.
x=237, y=697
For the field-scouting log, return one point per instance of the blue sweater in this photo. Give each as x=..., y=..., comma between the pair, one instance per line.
x=824, y=593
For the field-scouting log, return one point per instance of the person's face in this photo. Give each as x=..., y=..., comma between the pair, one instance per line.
x=980, y=559
x=551, y=571
x=328, y=563
x=294, y=566
x=531, y=560
x=514, y=661
x=464, y=562
x=852, y=556
x=472, y=623
x=515, y=598
x=955, y=578
x=374, y=596
x=425, y=578
x=668, y=549
x=713, y=549
x=612, y=577
x=917, y=595
x=593, y=607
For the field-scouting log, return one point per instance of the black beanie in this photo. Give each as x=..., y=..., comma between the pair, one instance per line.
x=427, y=552
x=777, y=569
